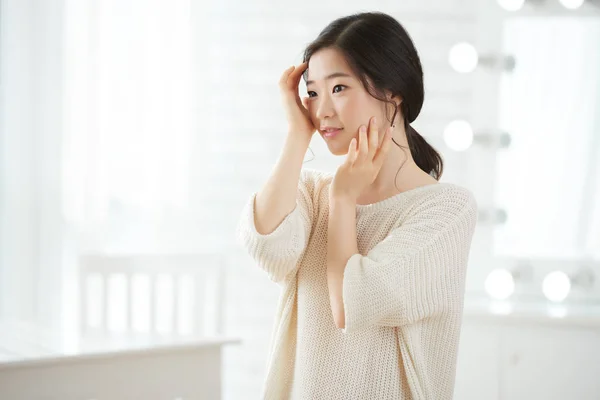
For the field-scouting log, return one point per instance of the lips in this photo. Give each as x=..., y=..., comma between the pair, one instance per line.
x=330, y=132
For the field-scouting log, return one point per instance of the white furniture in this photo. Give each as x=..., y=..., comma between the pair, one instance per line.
x=36, y=364
x=192, y=291
x=529, y=352
x=110, y=352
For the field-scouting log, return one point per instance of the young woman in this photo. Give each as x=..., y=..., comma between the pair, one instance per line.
x=371, y=259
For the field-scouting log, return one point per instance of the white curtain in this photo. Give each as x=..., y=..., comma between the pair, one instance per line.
x=549, y=179
x=127, y=108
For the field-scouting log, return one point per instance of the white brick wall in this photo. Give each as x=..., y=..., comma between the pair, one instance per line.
x=242, y=49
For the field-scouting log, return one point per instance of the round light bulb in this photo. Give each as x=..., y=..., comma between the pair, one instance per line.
x=500, y=284
x=511, y=5
x=463, y=57
x=458, y=135
x=556, y=286
x=572, y=4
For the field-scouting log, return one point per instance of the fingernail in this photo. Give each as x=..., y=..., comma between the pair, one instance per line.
x=375, y=120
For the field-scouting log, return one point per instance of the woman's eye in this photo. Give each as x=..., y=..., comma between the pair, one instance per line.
x=313, y=94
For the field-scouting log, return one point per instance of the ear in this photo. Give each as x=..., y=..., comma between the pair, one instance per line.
x=395, y=98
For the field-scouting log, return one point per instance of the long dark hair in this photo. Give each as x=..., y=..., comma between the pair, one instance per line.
x=378, y=49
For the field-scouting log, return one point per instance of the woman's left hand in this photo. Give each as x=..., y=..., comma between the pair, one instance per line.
x=363, y=162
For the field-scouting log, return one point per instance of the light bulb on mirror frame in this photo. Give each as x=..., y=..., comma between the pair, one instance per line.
x=500, y=284
x=463, y=57
x=458, y=135
x=556, y=286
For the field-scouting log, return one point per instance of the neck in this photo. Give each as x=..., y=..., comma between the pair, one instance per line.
x=399, y=171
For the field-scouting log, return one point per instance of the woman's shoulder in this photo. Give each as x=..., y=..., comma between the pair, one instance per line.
x=445, y=199
x=447, y=192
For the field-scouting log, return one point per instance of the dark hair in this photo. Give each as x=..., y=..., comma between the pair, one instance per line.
x=379, y=50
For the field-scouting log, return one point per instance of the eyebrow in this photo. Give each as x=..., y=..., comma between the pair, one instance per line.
x=334, y=75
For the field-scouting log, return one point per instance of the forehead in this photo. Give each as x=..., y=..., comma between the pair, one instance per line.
x=325, y=62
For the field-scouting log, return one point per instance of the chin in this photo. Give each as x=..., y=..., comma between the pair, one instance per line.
x=339, y=152
x=338, y=147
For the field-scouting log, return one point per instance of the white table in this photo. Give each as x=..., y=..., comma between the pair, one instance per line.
x=528, y=350
x=38, y=364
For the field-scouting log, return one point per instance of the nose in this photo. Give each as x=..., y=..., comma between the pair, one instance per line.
x=325, y=108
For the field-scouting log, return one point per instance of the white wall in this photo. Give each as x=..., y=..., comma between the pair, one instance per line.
x=31, y=229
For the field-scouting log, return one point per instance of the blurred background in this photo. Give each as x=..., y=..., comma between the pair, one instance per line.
x=132, y=132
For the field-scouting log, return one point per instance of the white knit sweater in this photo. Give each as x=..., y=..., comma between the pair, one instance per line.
x=403, y=295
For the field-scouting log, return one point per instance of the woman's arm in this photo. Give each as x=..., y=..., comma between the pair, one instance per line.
x=276, y=222
x=418, y=271
x=341, y=245
x=277, y=198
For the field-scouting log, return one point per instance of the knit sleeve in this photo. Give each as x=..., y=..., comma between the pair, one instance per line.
x=279, y=252
x=418, y=271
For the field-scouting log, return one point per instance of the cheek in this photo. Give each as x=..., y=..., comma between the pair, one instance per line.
x=345, y=106
x=357, y=112
x=350, y=112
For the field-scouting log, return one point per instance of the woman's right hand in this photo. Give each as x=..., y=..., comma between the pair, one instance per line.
x=299, y=121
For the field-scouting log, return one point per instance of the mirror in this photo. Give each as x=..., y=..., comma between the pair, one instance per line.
x=548, y=180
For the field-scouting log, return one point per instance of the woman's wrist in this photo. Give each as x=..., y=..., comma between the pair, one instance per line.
x=341, y=199
x=299, y=138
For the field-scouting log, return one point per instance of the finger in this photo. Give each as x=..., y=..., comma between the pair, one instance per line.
x=373, y=138
x=294, y=78
x=351, y=151
x=285, y=75
x=305, y=102
x=385, y=147
x=363, y=143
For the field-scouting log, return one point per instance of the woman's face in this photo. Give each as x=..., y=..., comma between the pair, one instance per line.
x=338, y=99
